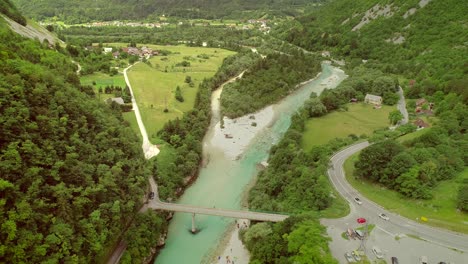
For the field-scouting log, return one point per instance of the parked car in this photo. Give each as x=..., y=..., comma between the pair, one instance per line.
x=377, y=252
x=384, y=216
x=423, y=260
x=357, y=200
x=394, y=260
x=348, y=257
x=356, y=256
x=151, y=195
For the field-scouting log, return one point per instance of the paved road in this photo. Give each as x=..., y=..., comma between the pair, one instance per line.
x=370, y=210
x=149, y=149
x=402, y=106
x=158, y=205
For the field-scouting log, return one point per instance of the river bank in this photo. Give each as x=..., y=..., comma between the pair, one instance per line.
x=243, y=133
x=230, y=166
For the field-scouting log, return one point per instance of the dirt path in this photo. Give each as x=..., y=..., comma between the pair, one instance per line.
x=149, y=149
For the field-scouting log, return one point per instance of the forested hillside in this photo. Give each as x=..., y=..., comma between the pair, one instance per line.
x=71, y=174
x=9, y=10
x=421, y=46
x=425, y=41
x=88, y=10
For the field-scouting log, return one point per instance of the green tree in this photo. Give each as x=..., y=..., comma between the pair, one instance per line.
x=315, y=107
x=308, y=244
x=178, y=94
x=462, y=199
x=374, y=159
x=394, y=117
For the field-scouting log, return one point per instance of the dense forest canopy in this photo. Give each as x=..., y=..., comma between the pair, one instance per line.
x=429, y=46
x=72, y=174
x=103, y=10
x=9, y=10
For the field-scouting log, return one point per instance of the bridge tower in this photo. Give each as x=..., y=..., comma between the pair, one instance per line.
x=194, y=228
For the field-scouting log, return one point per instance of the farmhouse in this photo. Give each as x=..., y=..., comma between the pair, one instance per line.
x=420, y=123
x=373, y=99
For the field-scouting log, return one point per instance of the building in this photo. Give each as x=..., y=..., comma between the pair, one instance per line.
x=118, y=100
x=420, y=123
x=373, y=99
x=107, y=50
x=421, y=102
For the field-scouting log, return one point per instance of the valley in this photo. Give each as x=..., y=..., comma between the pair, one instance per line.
x=273, y=107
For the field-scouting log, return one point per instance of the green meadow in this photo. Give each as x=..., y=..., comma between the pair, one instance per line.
x=102, y=80
x=440, y=210
x=154, y=83
x=359, y=119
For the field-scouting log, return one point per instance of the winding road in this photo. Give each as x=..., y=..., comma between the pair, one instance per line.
x=370, y=210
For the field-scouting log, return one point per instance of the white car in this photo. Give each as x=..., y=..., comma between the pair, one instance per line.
x=384, y=216
x=377, y=252
x=349, y=258
x=357, y=200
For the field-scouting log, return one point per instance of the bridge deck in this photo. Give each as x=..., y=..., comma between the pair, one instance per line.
x=158, y=205
x=216, y=211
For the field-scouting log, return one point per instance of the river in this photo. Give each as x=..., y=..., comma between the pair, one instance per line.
x=222, y=182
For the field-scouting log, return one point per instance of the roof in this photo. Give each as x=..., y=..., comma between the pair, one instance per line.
x=420, y=101
x=420, y=123
x=118, y=100
x=373, y=97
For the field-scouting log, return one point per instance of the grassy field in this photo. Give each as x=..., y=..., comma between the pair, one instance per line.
x=102, y=80
x=154, y=85
x=131, y=119
x=440, y=210
x=411, y=136
x=359, y=119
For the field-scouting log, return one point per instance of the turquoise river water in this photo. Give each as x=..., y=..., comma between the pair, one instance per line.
x=222, y=183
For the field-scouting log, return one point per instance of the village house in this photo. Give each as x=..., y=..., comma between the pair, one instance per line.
x=420, y=123
x=421, y=102
x=373, y=99
x=116, y=55
x=107, y=50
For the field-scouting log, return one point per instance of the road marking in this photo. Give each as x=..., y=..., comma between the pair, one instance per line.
x=393, y=235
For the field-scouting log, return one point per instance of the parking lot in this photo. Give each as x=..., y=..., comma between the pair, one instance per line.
x=406, y=249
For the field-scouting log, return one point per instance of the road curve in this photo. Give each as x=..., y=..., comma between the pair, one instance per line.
x=370, y=210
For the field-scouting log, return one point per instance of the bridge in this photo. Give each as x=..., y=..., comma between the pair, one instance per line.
x=156, y=204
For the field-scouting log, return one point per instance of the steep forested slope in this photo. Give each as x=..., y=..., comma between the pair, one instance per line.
x=86, y=10
x=422, y=45
x=8, y=9
x=421, y=40
x=71, y=174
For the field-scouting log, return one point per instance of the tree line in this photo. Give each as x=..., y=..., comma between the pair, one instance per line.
x=298, y=239
x=267, y=81
x=214, y=36
x=100, y=10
